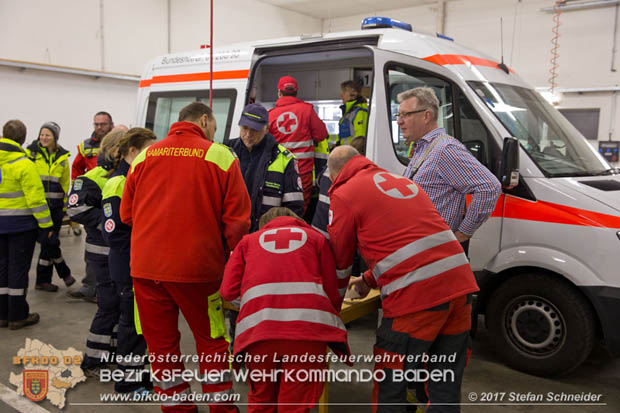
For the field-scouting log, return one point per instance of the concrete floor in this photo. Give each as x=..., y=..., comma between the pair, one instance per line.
x=65, y=322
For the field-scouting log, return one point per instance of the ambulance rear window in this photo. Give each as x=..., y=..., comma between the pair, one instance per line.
x=164, y=107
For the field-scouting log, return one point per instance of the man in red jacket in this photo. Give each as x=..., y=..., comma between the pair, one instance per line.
x=88, y=149
x=297, y=127
x=286, y=278
x=420, y=268
x=188, y=206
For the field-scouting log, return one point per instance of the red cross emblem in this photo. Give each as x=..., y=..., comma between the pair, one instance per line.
x=287, y=123
x=395, y=186
x=283, y=240
x=109, y=225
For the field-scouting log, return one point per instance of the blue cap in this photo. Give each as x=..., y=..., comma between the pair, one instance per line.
x=254, y=116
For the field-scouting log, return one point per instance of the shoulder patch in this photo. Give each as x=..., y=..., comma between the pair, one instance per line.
x=107, y=209
x=77, y=184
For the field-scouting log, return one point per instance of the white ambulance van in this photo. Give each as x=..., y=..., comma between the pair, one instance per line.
x=548, y=259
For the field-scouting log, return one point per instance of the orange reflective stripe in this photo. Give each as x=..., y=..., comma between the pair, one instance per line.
x=457, y=59
x=196, y=77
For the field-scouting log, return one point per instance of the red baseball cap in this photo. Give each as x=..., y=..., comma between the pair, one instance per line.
x=287, y=83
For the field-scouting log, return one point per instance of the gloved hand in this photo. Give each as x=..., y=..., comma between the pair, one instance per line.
x=45, y=234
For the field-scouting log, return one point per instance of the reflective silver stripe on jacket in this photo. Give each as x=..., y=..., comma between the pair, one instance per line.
x=55, y=195
x=272, y=201
x=16, y=160
x=321, y=155
x=324, y=199
x=283, y=288
x=292, y=196
x=404, y=253
x=325, y=234
x=298, y=144
x=424, y=273
x=96, y=249
x=45, y=263
x=304, y=155
x=12, y=195
x=131, y=362
x=72, y=211
x=99, y=338
x=23, y=211
x=342, y=274
x=57, y=260
x=289, y=314
x=44, y=220
x=50, y=178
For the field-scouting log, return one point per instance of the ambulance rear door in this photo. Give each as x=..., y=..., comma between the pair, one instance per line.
x=460, y=114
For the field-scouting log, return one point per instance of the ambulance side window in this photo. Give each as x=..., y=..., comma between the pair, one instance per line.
x=474, y=135
x=399, y=79
x=164, y=107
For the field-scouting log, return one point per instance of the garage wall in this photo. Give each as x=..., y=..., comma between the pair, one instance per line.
x=586, y=39
x=68, y=33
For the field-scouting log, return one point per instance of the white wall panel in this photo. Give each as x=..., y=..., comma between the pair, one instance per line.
x=36, y=97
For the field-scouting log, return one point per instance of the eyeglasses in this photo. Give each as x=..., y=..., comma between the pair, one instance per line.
x=96, y=125
x=407, y=114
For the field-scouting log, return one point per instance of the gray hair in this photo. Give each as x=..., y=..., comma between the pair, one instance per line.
x=426, y=98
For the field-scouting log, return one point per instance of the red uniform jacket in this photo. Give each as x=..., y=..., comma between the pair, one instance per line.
x=286, y=277
x=296, y=126
x=184, y=196
x=412, y=255
x=82, y=164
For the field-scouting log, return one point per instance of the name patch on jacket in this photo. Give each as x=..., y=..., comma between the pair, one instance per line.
x=273, y=185
x=187, y=152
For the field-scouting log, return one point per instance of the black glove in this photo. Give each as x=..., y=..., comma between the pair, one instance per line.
x=44, y=235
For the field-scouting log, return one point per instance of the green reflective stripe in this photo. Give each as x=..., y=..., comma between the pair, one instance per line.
x=139, y=159
x=50, y=178
x=12, y=195
x=15, y=160
x=220, y=155
x=251, y=115
x=114, y=187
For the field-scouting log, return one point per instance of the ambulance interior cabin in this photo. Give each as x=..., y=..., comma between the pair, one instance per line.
x=318, y=74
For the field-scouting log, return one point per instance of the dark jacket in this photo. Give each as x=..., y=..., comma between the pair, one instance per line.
x=271, y=177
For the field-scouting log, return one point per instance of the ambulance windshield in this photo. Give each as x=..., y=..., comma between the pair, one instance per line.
x=552, y=142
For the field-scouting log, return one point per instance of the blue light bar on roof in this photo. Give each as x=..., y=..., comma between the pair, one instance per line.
x=384, y=23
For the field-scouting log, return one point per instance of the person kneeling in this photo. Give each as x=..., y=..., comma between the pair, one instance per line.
x=285, y=276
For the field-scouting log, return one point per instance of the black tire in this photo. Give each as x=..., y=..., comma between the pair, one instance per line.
x=540, y=325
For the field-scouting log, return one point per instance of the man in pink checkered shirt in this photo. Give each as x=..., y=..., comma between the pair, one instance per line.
x=444, y=168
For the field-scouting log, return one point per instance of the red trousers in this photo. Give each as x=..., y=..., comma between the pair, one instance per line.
x=284, y=395
x=306, y=184
x=441, y=331
x=158, y=308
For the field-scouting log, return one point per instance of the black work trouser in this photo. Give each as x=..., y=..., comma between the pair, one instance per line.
x=16, y=250
x=50, y=255
x=131, y=346
x=101, y=341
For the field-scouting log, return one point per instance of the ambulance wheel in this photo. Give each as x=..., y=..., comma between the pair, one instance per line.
x=540, y=325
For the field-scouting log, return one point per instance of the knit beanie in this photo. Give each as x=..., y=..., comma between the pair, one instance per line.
x=52, y=126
